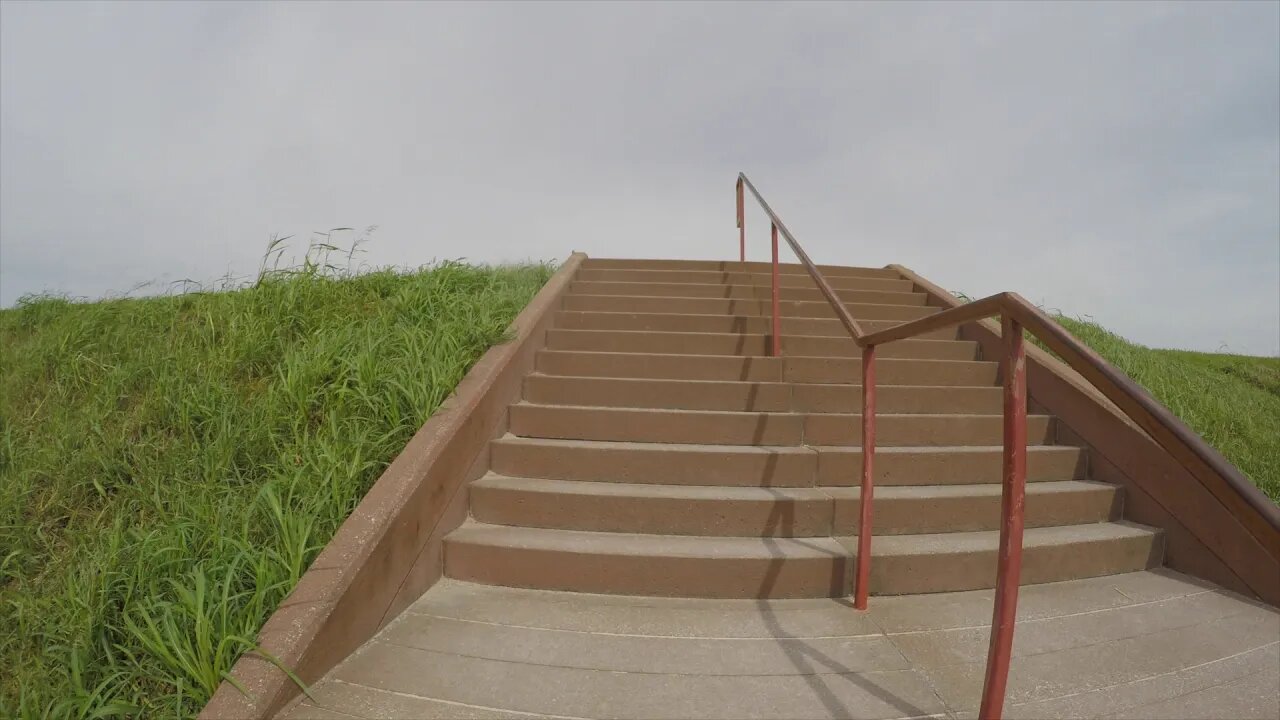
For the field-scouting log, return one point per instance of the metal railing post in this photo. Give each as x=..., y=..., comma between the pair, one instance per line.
x=861, y=586
x=1009, y=570
x=742, y=225
x=775, y=344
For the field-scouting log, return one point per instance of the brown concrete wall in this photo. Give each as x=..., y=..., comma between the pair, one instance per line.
x=388, y=552
x=1204, y=537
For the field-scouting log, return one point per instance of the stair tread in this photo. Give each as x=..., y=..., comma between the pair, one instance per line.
x=938, y=492
x=758, y=383
x=631, y=544
x=765, y=285
x=785, y=335
x=641, y=490
x=747, y=299
x=732, y=266
x=742, y=291
x=738, y=413
x=513, y=439
x=731, y=492
x=838, y=329
x=965, y=542
x=743, y=383
x=700, y=546
x=691, y=356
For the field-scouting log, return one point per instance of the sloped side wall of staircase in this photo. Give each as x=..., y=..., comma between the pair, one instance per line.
x=388, y=551
x=1202, y=536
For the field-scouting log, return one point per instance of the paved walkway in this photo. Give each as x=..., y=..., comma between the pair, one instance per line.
x=1141, y=645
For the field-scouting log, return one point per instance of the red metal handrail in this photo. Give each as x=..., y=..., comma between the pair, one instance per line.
x=1170, y=432
x=1259, y=515
x=778, y=227
x=1013, y=481
x=1013, y=490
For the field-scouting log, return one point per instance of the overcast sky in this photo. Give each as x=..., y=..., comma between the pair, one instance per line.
x=1116, y=161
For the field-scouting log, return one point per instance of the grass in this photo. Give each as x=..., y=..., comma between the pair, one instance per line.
x=1233, y=401
x=170, y=466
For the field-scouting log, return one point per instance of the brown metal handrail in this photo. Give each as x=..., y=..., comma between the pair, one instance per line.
x=1016, y=314
x=842, y=313
x=1262, y=516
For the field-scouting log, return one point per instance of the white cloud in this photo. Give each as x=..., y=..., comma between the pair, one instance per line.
x=1120, y=161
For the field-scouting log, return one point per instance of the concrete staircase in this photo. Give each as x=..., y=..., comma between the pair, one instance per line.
x=658, y=450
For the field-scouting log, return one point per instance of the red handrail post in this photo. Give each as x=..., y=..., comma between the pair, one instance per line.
x=775, y=345
x=742, y=225
x=1009, y=570
x=861, y=585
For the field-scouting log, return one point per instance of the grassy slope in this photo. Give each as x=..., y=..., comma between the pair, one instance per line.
x=170, y=466
x=1233, y=401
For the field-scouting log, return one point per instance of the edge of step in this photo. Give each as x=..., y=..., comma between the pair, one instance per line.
x=749, y=511
x=770, y=466
x=636, y=564
x=907, y=564
x=694, y=566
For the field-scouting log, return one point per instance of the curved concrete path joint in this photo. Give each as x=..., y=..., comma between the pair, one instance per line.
x=1154, y=644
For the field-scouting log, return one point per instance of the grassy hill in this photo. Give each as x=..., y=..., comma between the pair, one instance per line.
x=1233, y=401
x=170, y=466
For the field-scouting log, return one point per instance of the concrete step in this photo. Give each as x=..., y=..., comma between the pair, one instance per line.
x=743, y=291
x=775, y=512
x=729, y=306
x=758, y=396
x=674, y=464
x=948, y=465
x=725, y=567
x=778, y=466
x=677, y=322
x=712, y=277
x=661, y=565
x=694, y=343
x=829, y=271
x=938, y=562
x=572, y=422
x=797, y=369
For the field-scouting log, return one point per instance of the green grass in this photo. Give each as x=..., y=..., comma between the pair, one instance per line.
x=170, y=466
x=1233, y=401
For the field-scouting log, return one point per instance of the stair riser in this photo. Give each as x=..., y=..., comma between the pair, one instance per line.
x=569, y=423
x=976, y=570
x=778, y=467
x=890, y=371
x=898, y=399
x=786, y=576
x=749, y=345
x=911, y=516
x=920, y=430
x=839, y=466
x=761, y=397
x=808, y=517
x=733, y=266
x=804, y=514
x=662, y=576
x=660, y=322
x=701, y=277
x=743, y=292
x=610, y=424
x=719, y=306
